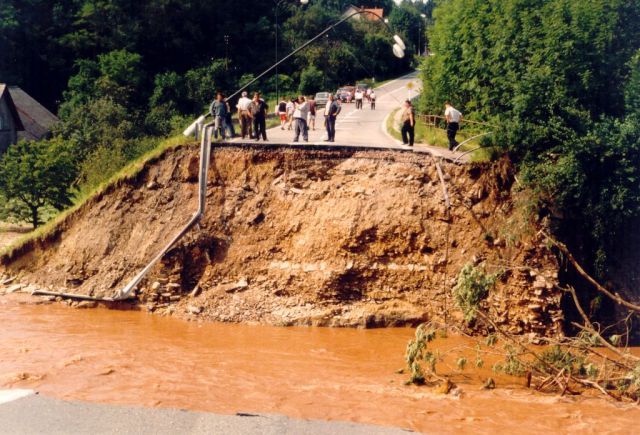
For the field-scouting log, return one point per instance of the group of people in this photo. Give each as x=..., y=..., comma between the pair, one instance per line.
x=408, y=120
x=252, y=114
x=299, y=114
x=368, y=94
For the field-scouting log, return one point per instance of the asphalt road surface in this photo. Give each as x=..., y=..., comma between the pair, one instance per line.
x=22, y=412
x=364, y=127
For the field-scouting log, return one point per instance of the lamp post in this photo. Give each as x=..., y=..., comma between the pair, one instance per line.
x=398, y=50
x=421, y=30
x=277, y=8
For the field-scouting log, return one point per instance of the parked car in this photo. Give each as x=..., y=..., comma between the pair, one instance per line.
x=322, y=98
x=345, y=94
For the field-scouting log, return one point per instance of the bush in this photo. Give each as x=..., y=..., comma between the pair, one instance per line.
x=472, y=287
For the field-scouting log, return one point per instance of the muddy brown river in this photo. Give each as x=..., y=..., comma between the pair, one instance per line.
x=127, y=357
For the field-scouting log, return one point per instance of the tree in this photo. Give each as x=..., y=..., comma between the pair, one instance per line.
x=35, y=175
x=310, y=81
x=551, y=75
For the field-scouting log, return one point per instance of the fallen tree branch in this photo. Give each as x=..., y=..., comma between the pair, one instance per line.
x=563, y=248
x=588, y=326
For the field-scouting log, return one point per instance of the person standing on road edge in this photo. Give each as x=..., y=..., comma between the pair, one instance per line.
x=453, y=117
x=331, y=111
x=408, y=123
x=290, y=108
x=281, y=111
x=311, y=122
x=229, y=119
x=244, y=115
x=372, y=99
x=219, y=111
x=300, y=114
x=259, y=114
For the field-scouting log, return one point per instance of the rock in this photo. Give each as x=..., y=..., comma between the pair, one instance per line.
x=167, y=295
x=155, y=286
x=87, y=304
x=173, y=285
x=152, y=185
x=191, y=171
x=193, y=309
x=534, y=307
x=14, y=288
x=242, y=284
x=195, y=292
x=174, y=298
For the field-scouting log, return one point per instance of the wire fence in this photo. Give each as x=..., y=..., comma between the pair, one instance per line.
x=439, y=121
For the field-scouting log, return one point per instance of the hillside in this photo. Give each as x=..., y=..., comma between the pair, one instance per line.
x=336, y=238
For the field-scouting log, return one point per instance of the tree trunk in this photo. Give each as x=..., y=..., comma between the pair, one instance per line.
x=34, y=217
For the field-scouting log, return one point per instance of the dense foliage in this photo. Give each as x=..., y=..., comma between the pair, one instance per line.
x=120, y=73
x=33, y=176
x=559, y=80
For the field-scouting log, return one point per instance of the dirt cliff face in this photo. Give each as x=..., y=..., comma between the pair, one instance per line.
x=335, y=238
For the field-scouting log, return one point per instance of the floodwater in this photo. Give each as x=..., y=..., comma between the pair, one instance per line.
x=128, y=357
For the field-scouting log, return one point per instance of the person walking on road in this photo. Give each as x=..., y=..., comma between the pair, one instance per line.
x=244, y=115
x=290, y=108
x=358, y=97
x=408, y=123
x=372, y=99
x=281, y=111
x=331, y=111
x=300, y=114
x=311, y=122
x=259, y=114
x=219, y=111
x=453, y=117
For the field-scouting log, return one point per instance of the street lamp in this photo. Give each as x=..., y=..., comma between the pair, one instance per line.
x=420, y=31
x=277, y=8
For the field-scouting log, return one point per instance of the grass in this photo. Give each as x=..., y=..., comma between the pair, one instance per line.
x=426, y=134
x=132, y=169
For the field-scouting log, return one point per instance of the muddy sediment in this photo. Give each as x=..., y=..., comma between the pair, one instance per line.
x=306, y=237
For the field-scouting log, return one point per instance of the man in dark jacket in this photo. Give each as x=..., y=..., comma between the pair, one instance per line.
x=259, y=114
x=331, y=111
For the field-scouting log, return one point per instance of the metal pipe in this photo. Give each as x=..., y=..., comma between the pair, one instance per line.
x=205, y=149
x=470, y=139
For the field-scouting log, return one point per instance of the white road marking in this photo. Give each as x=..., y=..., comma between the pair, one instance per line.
x=7, y=396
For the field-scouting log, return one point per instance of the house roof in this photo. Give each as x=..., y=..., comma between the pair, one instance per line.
x=5, y=95
x=351, y=9
x=36, y=119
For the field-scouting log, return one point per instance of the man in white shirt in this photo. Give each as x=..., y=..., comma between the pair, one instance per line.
x=453, y=117
x=359, y=95
x=244, y=115
x=300, y=114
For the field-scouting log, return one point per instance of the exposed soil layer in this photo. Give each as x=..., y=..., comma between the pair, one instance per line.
x=335, y=238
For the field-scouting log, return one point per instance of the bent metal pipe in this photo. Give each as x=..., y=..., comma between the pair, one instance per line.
x=127, y=291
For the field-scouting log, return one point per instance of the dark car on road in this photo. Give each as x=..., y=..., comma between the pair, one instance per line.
x=345, y=94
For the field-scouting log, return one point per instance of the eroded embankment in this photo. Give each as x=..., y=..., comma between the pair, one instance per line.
x=338, y=238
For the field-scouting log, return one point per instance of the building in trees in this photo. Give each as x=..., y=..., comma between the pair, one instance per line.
x=10, y=123
x=22, y=117
x=37, y=120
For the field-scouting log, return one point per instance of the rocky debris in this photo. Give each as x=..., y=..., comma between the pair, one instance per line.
x=329, y=238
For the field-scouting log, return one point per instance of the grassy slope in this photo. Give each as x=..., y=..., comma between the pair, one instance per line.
x=425, y=134
x=129, y=171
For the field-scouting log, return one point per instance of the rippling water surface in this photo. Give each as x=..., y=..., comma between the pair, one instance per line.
x=333, y=374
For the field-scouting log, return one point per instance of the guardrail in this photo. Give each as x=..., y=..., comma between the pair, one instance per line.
x=440, y=121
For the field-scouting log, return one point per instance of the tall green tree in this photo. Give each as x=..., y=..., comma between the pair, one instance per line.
x=35, y=175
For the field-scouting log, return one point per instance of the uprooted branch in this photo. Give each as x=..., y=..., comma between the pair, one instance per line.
x=614, y=296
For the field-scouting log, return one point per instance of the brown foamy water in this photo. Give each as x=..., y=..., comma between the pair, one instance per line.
x=320, y=373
